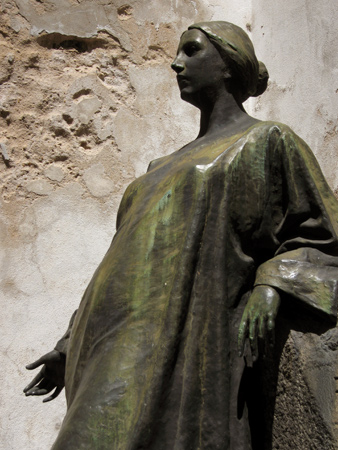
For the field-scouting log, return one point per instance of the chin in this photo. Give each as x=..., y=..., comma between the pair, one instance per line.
x=189, y=97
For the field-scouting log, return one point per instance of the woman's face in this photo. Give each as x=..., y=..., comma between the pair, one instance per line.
x=199, y=66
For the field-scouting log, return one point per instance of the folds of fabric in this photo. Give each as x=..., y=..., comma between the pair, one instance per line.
x=152, y=361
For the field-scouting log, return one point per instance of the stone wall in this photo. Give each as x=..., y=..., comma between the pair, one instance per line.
x=87, y=99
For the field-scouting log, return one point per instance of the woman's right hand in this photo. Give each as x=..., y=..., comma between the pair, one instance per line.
x=51, y=376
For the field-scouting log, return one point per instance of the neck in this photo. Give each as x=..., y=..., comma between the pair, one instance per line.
x=222, y=113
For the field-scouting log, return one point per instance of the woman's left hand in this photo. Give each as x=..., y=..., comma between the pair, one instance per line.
x=258, y=320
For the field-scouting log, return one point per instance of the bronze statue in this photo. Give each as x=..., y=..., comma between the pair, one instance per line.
x=210, y=243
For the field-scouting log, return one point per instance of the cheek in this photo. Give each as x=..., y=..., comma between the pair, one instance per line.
x=211, y=71
x=211, y=78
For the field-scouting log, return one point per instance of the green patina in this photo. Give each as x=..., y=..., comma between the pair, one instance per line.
x=153, y=355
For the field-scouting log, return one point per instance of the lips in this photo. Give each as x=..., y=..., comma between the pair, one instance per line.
x=182, y=81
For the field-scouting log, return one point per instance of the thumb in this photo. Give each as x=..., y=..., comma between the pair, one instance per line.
x=35, y=364
x=45, y=358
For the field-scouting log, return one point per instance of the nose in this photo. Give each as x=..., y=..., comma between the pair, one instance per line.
x=177, y=65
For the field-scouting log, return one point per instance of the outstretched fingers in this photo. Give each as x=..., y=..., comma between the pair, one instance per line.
x=54, y=395
x=34, y=382
x=43, y=388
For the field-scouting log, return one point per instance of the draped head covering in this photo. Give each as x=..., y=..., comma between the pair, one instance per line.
x=235, y=47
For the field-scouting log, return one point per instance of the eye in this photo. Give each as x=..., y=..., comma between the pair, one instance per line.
x=191, y=48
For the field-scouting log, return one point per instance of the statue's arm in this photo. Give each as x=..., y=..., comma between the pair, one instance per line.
x=305, y=263
x=52, y=375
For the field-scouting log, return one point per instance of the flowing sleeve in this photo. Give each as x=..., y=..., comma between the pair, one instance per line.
x=62, y=344
x=304, y=213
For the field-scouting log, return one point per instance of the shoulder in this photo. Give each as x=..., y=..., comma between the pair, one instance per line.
x=154, y=163
x=272, y=130
x=271, y=147
x=278, y=137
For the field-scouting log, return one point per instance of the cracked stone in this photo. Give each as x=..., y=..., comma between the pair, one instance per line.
x=39, y=187
x=54, y=173
x=86, y=108
x=97, y=181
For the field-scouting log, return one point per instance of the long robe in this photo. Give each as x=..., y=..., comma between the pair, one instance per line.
x=152, y=361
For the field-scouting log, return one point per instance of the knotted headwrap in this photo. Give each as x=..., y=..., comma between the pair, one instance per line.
x=236, y=49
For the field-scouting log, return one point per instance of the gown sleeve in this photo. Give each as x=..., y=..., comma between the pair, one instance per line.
x=62, y=344
x=305, y=264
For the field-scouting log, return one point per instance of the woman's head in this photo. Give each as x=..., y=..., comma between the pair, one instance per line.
x=196, y=55
x=248, y=76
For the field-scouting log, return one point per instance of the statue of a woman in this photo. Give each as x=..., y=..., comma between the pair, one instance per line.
x=209, y=243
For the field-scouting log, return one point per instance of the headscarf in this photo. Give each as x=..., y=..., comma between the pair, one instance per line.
x=236, y=49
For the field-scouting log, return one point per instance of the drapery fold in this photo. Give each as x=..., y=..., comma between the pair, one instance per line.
x=152, y=360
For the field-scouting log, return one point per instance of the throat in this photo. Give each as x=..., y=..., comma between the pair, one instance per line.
x=227, y=126
x=223, y=114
